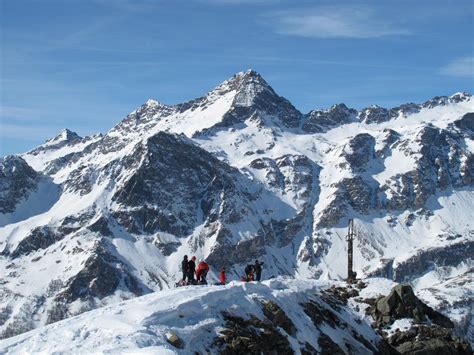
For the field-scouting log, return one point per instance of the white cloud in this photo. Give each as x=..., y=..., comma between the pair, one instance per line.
x=334, y=22
x=460, y=67
x=239, y=2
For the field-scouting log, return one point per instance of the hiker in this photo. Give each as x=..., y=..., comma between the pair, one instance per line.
x=222, y=276
x=191, y=270
x=258, y=269
x=184, y=267
x=201, y=272
x=249, y=269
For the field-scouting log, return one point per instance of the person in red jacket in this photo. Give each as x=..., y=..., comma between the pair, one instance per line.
x=222, y=276
x=201, y=272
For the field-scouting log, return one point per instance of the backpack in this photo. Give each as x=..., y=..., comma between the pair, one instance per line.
x=248, y=269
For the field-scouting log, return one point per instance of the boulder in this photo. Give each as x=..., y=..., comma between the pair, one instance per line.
x=402, y=303
x=174, y=340
x=430, y=335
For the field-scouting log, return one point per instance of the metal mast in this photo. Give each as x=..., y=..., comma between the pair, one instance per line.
x=351, y=275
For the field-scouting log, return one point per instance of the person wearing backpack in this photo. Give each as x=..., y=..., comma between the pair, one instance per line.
x=258, y=270
x=249, y=269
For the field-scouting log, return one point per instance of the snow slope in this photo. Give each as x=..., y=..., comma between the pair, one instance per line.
x=195, y=314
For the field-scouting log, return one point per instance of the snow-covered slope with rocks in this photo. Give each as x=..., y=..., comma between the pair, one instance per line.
x=236, y=175
x=287, y=316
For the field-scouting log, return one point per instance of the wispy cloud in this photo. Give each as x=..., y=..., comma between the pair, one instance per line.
x=132, y=5
x=460, y=67
x=239, y=2
x=334, y=22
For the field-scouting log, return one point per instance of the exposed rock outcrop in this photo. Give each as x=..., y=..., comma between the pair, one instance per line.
x=251, y=336
x=402, y=303
x=431, y=333
x=318, y=121
x=17, y=180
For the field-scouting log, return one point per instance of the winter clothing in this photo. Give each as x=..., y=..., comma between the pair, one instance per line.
x=249, y=269
x=201, y=272
x=191, y=269
x=222, y=277
x=258, y=269
x=184, y=267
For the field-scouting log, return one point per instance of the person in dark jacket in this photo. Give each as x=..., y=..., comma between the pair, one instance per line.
x=249, y=269
x=191, y=270
x=184, y=267
x=258, y=270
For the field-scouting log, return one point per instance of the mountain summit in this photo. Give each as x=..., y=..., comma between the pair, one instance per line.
x=255, y=97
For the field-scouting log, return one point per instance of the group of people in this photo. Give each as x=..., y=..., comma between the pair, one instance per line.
x=253, y=272
x=193, y=275
x=189, y=271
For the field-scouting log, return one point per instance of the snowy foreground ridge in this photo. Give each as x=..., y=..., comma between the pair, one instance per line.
x=197, y=316
x=237, y=175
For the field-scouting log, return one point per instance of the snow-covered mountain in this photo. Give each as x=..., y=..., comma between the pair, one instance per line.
x=232, y=176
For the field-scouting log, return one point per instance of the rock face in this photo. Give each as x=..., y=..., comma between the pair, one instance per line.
x=466, y=122
x=251, y=336
x=318, y=121
x=449, y=256
x=432, y=332
x=236, y=175
x=402, y=303
x=17, y=180
x=171, y=175
x=100, y=277
x=359, y=151
x=270, y=334
x=254, y=95
x=374, y=114
x=39, y=238
x=430, y=340
x=446, y=100
x=64, y=138
x=277, y=316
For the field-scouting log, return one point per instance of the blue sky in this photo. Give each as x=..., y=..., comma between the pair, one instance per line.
x=85, y=64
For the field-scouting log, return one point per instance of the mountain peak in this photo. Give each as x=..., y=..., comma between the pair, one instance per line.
x=247, y=94
x=151, y=102
x=446, y=100
x=64, y=135
x=249, y=73
x=460, y=96
x=245, y=79
x=321, y=120
x=255, y=95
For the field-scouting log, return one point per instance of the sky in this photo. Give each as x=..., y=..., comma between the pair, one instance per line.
x=85, y=64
